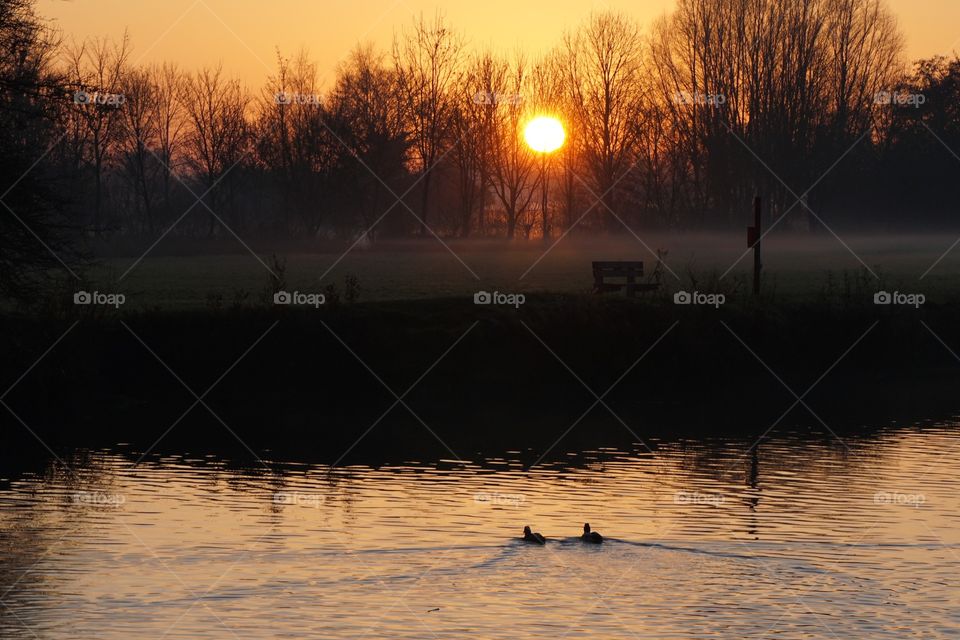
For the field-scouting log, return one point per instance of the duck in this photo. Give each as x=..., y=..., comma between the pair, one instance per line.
x=590, y=536
x=530, y=536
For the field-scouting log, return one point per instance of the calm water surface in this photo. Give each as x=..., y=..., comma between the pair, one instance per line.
x=805, y=538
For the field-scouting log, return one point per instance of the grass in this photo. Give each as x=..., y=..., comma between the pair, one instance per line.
x=796, y=269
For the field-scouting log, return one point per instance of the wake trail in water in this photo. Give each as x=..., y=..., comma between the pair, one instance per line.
x=706, y=552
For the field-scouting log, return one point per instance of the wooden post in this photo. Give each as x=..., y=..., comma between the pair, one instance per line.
x=757, y=265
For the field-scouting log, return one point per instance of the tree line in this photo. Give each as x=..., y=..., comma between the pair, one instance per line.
x=675, y=126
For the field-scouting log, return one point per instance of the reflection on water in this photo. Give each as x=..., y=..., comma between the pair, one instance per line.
x=800, y=537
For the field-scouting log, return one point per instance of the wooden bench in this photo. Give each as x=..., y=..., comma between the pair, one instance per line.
x=627, y=271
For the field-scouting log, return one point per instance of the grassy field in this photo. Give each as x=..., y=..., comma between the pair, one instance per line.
x=797, y=269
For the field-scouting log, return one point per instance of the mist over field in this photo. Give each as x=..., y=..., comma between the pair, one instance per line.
x=796, y=267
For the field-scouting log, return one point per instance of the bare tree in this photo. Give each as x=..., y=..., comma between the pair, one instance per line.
x=293, y=144
x=603, y=63
x=365, y=112
x=473, y=125
x=864, y=47
x=427, y=61
x=549, y=95
x=168, y=114
x=513, y=174
x=789, y=81
x=140, y=130
x=217, y=137
x=96, y=68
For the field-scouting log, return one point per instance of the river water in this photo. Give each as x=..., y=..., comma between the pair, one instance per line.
x=803, y=536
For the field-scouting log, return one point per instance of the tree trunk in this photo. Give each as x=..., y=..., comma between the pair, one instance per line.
x=609, y=202
x=425, y=202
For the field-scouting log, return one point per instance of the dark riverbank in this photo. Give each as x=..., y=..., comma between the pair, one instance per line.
x=301, y=388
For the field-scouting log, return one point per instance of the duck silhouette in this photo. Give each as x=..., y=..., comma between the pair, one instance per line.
x=590, y=536
x=530, y=536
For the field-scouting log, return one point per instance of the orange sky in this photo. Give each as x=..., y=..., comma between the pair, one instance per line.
x=245, y=33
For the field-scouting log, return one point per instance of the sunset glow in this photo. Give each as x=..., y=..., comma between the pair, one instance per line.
x=244, y=35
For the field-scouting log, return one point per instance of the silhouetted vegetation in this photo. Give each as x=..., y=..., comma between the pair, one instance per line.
x=39, y=219
x=497, y=387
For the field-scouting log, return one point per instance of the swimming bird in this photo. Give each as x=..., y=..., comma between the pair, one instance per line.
x=530, y=536
x=590, y=536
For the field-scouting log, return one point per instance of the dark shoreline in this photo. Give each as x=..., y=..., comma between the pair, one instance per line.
x=301, y=392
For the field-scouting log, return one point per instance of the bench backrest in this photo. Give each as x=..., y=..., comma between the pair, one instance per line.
x=617, y=269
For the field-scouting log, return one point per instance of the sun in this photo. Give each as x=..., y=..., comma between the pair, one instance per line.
x=544, y=134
